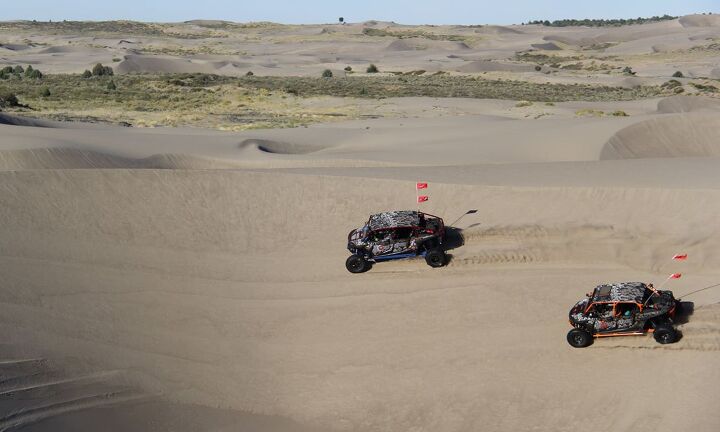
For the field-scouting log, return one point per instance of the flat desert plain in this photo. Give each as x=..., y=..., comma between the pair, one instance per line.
x=183, y=275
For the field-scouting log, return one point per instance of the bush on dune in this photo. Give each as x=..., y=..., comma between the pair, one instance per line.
x=100, y=70
x=8, y=99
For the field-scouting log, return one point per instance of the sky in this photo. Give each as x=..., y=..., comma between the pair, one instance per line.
x=328, y=11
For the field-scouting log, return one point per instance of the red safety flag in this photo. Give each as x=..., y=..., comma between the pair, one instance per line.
x=679, y=257
x=422, y=198
x=675, y=276
x=421, y=186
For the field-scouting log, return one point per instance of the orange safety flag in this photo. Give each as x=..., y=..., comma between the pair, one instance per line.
x=675, y=276
x=421, y=186
x=679, y=257
x=423, y=198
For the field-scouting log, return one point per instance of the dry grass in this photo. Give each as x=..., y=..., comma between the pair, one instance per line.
x=223, y=102
x=120, y=28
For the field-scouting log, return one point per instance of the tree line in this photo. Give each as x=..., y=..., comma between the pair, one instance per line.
x=601, y=22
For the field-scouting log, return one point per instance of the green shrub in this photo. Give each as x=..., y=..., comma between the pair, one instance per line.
x=678, y=74
x=327, y=73
x=372, y=69
x=348, y=69
x=18, y=70
x=589, y=112
x=34, y=74
x=115, y=60
x=619, y=113
x=249, y=73
x=705, y=87
x=100, y=70
x=8, y=99
x=45, y=92
x=111, y=85
x=29, y=71
x=86, y=74
x=7, y=69
x=628, y=71
x=672, y=84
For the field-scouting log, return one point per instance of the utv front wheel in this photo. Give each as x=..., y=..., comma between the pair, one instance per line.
x=579, y=338
x=665, y=334
x=357, y=264
x=435, y=258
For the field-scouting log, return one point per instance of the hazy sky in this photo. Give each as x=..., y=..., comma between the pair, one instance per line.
x=325, y=11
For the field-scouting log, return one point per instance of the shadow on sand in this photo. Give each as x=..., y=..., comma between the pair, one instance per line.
x=453, y=239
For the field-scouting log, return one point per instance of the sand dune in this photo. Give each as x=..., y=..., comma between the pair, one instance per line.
x=241, y=309
x=287, y=47
x=679, y=104
x=139, y=63
x=496, y=29
x=700, y=21
x=550, y=46
x=686, y=135
x=487, y=65
x=190, y=279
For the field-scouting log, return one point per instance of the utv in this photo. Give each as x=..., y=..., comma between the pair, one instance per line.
x=623, y=309
x=396, y=235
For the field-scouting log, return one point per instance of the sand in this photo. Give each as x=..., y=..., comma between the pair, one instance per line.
x=189, y=279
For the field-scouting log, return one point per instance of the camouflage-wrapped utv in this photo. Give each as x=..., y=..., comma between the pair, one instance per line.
x=396, y=235
x=623, y=309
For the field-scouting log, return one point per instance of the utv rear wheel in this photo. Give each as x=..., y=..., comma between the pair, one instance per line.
x=579, y=338
x=435, y=258
x=357, y=264
x=665, y=334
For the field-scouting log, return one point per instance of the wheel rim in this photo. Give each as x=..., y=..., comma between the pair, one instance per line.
x=436, y=259
x=356, y=265
x=579, y=339
x=666, y=337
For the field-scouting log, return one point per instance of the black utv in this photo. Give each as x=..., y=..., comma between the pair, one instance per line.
x=396, y=235
x=623, y=309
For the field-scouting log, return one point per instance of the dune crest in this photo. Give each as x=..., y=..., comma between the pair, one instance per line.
x=700, y=21
x=681, y=135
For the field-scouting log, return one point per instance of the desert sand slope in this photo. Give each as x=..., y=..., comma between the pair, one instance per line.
x=38, y=394
x=281, y=50
x=688, y=135
x=227, y=288
x=186, y=279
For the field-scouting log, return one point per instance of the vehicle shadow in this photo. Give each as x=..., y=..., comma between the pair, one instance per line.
x=684, y=312
x=453, y=239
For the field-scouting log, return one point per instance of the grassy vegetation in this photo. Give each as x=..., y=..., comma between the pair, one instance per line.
x=253, y=102
x=447, y=86
x=570, y=62
x=158, y=100
x=599, y=113
x=705, y=88
x=414, y=34
x=181, y=51
x=122, y=28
